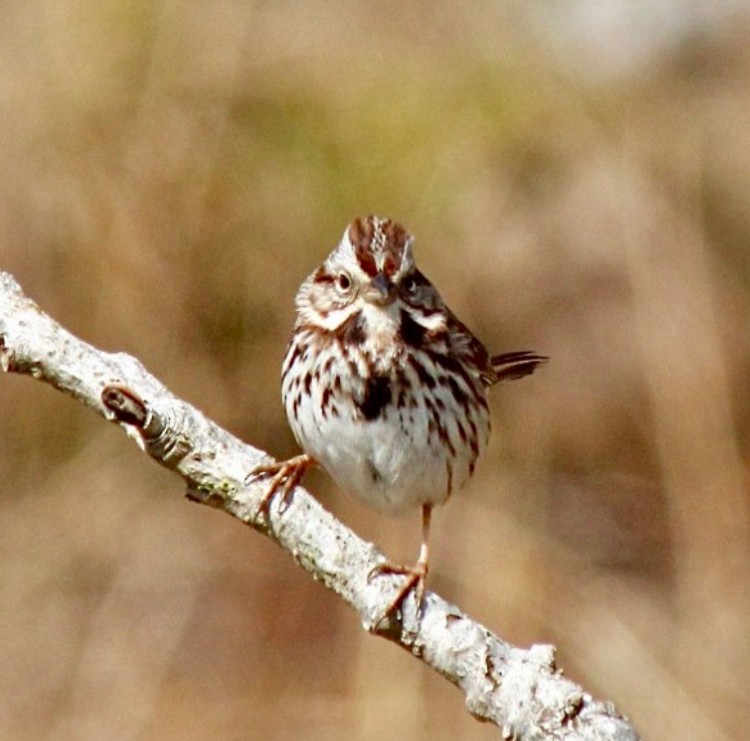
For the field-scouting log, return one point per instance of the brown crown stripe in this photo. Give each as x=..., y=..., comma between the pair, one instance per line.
x=361, y=232
x=377, y=240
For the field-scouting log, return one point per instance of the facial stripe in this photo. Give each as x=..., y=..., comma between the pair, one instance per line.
x=411, y=331
x=352, y=330
x=321, y=275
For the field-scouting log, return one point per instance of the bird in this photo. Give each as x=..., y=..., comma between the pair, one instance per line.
x=384, y=387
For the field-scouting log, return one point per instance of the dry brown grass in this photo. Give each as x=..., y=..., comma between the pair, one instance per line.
x=170, y=173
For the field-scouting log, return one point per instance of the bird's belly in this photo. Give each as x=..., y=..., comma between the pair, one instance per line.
x=394, y=462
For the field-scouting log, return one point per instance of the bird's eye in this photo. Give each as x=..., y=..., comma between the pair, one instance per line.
x=344, y=282
x=409, y=284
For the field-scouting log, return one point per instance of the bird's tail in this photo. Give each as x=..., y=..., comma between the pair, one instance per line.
x=512, y=365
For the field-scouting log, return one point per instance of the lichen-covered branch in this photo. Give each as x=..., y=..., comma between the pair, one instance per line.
x=520, y=690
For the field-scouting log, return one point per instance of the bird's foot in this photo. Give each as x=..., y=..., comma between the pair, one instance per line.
x=416, y=577
x=285, y=475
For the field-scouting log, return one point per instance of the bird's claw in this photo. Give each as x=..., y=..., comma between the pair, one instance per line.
x=416, y=577
x=285, y=477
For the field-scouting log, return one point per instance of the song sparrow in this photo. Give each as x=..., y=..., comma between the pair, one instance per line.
x=383, y=386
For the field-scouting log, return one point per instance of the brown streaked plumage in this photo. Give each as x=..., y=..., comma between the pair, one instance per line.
x=383, y=385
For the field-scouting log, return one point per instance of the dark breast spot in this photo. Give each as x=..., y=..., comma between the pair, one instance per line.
x=424, y=377
x=377, y=395
x=458, y=393
x=375, y=474
x=404, y=388
x=325, y=399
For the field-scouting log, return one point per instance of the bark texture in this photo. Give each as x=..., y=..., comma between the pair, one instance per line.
x=520, y=690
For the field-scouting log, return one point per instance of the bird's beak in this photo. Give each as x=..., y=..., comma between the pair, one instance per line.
x=381, y=291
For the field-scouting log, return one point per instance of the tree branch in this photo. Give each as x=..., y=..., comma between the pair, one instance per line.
x=519, y=690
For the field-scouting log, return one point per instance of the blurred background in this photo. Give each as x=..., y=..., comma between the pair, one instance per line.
x=577, y=175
